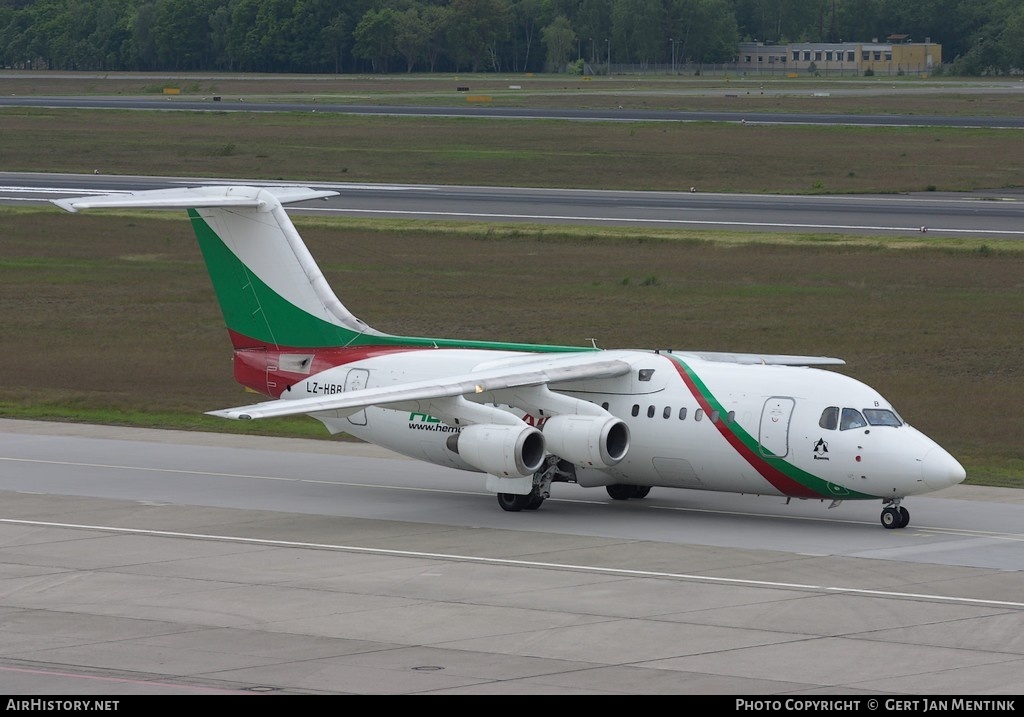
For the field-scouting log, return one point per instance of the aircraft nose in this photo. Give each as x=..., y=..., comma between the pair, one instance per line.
x=941, y=470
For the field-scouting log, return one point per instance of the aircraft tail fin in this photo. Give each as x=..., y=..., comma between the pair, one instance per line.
x=270, y=289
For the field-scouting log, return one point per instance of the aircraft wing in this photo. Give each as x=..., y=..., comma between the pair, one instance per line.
x=545, y=370
x=768, y=359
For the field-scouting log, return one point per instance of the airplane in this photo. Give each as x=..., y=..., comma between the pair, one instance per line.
x=529, y=415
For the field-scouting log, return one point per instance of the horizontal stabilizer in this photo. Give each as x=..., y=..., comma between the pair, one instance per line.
x=766, y=359
x=195, y=198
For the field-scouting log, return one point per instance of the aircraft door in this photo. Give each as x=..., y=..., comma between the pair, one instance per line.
x=774, y=434
x=356, y=380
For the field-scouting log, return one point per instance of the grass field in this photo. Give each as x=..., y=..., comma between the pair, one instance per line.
x=109, y=317
x=714, y=157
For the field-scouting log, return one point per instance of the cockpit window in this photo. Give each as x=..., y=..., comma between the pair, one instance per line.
x=851, y=419
x=829, y=418
x=882, y=417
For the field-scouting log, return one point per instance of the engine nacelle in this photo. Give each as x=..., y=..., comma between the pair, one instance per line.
x=500, y=450
x=597, y=441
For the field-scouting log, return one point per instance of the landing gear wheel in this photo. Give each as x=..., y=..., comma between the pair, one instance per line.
x=514, y=503
x=905, y=517
x=641, y=491
x=620, y=491
x=892, y=518
x=535, y=501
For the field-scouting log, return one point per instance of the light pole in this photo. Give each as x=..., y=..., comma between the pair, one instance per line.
x=673, y=43
x=593, y=51
x=609, y=45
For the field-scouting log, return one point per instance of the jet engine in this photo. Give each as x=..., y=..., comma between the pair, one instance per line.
x=500, y=450
x=597, y=441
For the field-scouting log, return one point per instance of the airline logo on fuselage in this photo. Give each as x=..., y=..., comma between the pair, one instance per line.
x=426, y=422
x=821, y=450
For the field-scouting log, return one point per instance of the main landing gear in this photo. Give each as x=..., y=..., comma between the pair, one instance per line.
x=554, y=470
x=894, y=515
x=514, y=503
x=621, y=491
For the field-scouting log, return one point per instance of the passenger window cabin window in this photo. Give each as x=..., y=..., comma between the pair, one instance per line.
x=667, y=413
x=731, y=417
x=714, y=416
x=851, y=419
x=650, y=411
x=682, y=414
x=829, y=418
x=698, y=414
x=636, y=409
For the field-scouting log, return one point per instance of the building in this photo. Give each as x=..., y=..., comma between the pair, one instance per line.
x=896, y=56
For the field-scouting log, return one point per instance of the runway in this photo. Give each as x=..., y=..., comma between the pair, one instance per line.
x=620, y=114
x=996, y=214
x=135, y=561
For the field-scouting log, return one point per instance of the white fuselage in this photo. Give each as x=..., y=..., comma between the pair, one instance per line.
x=758, y=429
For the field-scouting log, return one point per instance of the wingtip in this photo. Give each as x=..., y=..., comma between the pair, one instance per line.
x=65, y=204
x=227, y=413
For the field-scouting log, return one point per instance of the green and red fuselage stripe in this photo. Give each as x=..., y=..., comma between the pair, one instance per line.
x=785, y=477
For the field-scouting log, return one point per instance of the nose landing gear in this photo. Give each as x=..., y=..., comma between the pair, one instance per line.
x=894, y=515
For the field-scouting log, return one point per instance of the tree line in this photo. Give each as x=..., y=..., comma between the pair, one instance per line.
x=978, y=37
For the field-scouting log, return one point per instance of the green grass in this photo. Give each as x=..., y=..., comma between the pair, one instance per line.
x=715, y=157
x=67, y=413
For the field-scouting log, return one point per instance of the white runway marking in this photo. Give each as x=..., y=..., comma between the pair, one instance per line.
x=520, y=563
